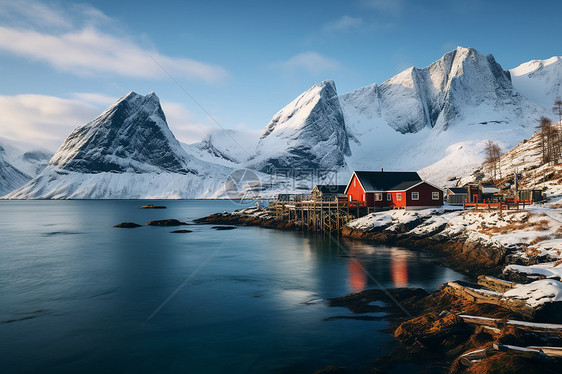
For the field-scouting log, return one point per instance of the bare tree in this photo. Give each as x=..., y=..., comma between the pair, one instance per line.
x=557, y=136
x=545, y=130
x=557, y=109
x=493, y=153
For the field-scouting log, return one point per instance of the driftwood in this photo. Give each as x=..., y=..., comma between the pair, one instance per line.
x=549, y=351
x=472, y=357
x=532, y=352
x=495, y=284
x=520, y=351
x=481, y=296
x=498, y=323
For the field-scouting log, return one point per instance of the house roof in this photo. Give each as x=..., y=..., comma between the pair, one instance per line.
x=376, y=181
x=489, y=189
x=458, y=190
x=404, y=186
x=331, y=188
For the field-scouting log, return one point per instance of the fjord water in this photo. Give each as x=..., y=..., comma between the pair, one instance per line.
x=79, y=296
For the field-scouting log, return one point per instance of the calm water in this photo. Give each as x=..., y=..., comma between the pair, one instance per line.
x=79, y=296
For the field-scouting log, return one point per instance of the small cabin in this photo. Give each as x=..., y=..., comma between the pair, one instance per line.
x=480, y=193
x=456, y=195
x=530, y=195
x=393, y=189
x=328, y=192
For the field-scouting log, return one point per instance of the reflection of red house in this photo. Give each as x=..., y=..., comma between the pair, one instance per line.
x=393, y=189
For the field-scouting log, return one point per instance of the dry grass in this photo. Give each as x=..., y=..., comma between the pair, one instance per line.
x=532, y=252
x=542, y=225
x=539, y=239
x=558, y=233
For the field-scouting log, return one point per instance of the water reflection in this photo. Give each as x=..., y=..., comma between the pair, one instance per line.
x=261, y=292
x=399, y=268
x=357, y=277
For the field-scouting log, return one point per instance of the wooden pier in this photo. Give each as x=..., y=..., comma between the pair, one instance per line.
x=319, y=215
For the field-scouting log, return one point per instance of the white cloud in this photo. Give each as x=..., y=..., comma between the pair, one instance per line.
x=345, y=23
x=95, y=98
x=26, y=13
x=42, y=121
x=311, y=62
x=85, y=50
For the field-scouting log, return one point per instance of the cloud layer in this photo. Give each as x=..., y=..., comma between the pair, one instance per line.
x=43, y=122
x=311, y=62
x=32, y=30
x=40, y=121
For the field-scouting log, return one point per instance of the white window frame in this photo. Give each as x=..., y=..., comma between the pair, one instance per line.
x=378, y=196
x=398, y=196
x=388, y=196
x=415, y=195
x=435, y=195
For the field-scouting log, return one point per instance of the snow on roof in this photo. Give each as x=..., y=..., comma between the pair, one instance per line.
x=537, y=293
x=489, y=189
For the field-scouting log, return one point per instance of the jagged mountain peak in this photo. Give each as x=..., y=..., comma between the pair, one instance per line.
x=130, y=136
x=307, y=133
x=285, y=118
x=440, y=93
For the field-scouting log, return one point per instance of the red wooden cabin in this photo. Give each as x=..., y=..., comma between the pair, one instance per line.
x=393, y=189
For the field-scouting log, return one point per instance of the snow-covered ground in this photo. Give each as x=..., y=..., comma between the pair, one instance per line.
x=529, y=233
x=537, y=293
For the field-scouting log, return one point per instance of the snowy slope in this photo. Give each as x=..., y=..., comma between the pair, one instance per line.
x=539, y=80
x=224, y=147
x=126, y=152
x=18, y=166
x=309, y=133
x=437, y=119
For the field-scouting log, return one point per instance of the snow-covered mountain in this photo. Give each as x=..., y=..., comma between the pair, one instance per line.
x=539, y=80
x=435, y=120
x=18, y=166
x=224, y=147
x=309, y=133
x=441, y=93
x=126, y=152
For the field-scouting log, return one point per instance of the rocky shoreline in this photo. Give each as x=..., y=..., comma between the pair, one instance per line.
x=472, y=258
x=462, y=327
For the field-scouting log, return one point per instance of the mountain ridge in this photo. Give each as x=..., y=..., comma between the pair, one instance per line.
x=435, y=120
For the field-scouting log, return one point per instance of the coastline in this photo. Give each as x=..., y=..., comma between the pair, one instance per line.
x=482, y=245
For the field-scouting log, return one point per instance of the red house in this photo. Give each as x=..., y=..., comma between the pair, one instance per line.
x=393, y=189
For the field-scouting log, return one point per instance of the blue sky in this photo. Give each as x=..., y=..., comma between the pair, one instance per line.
x=62, y=63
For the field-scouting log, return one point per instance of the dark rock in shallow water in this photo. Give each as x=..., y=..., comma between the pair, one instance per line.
x=166, y=222
x=224, y=227
x=127, y=225
x=153, y=207
x=180, y=231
